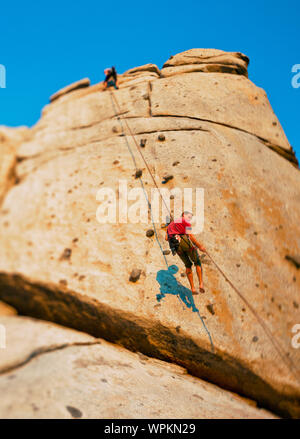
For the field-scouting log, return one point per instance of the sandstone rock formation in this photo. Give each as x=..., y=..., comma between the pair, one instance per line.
x=7, y=310
x=220, y=133
x=75, y=86
x=206, y=60
x=9, y=141
x=52, y=372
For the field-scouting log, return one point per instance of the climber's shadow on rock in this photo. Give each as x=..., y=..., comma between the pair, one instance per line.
x=170, y=285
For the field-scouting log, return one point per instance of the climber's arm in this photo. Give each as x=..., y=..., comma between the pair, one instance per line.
x=197, y=243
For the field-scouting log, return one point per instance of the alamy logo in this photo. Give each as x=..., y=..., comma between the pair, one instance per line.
x=2, y=76
x=296, y=78
x=2, y=337
x=296, y=338
x=132, y=205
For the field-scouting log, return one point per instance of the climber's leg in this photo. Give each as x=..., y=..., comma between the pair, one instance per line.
x=184, y=256
x=196, y=259
x=189, y=274
x=199, y=274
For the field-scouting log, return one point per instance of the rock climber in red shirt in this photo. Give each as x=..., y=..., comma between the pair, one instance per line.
x=183, y=243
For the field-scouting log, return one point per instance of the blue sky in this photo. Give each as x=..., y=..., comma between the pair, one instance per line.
x=47, y=45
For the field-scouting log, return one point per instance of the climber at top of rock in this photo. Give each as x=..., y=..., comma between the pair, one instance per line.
x=183, y=243
x=111, y=78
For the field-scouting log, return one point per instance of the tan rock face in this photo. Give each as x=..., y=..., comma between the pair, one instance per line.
x=206, y=60
x=10, y=139
x=56, y=372
x=214, y=131
x=75, y=86
x=27, y=338
x=7, y=310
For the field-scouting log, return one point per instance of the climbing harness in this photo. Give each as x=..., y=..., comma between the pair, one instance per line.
x=283, y=355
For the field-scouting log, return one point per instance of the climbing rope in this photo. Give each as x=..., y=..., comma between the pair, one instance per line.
x=288, y=361
x=114, y=99
x=141, y=182
x=283, y=355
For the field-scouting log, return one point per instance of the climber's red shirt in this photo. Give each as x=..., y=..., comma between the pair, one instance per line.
x=179, y=227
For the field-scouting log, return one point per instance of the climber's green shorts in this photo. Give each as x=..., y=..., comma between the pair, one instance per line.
x=187, y=252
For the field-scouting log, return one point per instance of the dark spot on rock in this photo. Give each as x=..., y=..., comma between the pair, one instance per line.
x=178, y=328
x=149, y=233
x=81, y=277
x=238, y=265
x=66, y=254
x=295, y=259
x=116, y=162
x=114, y=129
x=63, y=282
x=161, y=137
x=176, y=163
x=214, y=160
x=166, y=252
x=210, y=308
x=255, y=339
x=103, y=380
x=197, y=396
x=274, y=124
x=254, y=233
x=295, y=304
x=143, y=143
x=135, y=275
x=167, y=178
x=75, y=413
x=75, y=240
x=138, y=173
